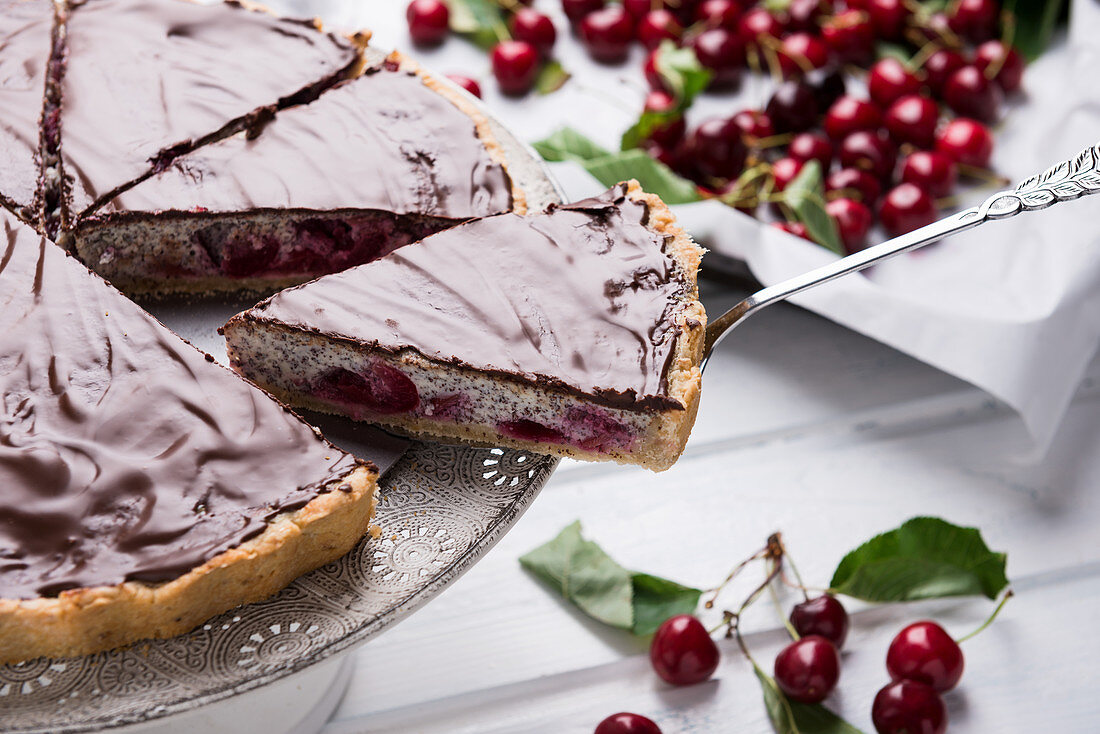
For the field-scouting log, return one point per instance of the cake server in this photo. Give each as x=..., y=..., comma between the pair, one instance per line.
x=1068, y=180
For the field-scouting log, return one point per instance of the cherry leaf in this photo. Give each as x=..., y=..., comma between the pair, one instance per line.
x=551, y=77
x=1036, y=21
x=478, y=21
x=654, y=176
x=569, y=145
x=792, y=717
x=925, y=558
x=681, y=72
x=805, y=196
x=656, y=599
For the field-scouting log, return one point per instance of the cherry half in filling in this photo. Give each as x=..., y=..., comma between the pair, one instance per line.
x=384, y=389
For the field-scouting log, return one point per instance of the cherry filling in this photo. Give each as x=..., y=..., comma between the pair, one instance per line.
x=526, y=430
x=587, y=428
x=384, y=389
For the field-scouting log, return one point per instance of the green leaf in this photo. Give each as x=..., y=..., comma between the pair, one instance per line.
x=681, y=72
x=792, y=717
x=805, y=196
x=584, y=575
x=885, y=49
x=656, y=599
x=551, y=77
x=569, y=145
x=640, y=131
x=479, y=21
x=925, y=558
x=654, y=176
x=1036, y=21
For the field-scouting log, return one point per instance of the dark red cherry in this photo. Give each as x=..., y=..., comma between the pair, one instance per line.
x=825, y=615
x=792, y=107
x=912, y=119
x=758, y=23
x=869, y=151
x=805, y=15
x=575, y=10
x=808, y=669
x=906, y=207
x=854, y=183
x=652, y=76
x=968, y=142
x=798, y=229
x=754, y=123
x=716, y=150
x=888, y=80
x=931, y=170
x=1005, y=60
x=850, y=36
x=607, y=34
x=428, y=21
x=848, y=115
x=888, y=17
x=800, y=53
x=784, y=171
x=811, y=147
x=908, y=707
x=718, y=14
x=515, y=66
x=720, y=51
x=941, y=65
x=682, y=652
x=638, y=8
x=924, y=652
x=828, y=85
x=656, y=26
x=672, y=132
x=853, y=222
x=470, y=85
x=534, y=28
x=627, y=723
x=974, y=20
x=970, y=94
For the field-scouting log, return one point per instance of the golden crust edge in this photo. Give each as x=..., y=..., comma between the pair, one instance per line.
x=89, y=620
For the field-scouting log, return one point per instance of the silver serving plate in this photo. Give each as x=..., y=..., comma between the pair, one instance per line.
x=442, y=508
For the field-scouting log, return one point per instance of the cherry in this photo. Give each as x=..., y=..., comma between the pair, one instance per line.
x=908, y=707
x=941, y=65
x=718, y=14
x=798, y=229
x=716, y=150
x=638, y=8
x=673, y=156
x=931, y=170
x=528, y=430
x=912, y=119
x=849, y=115
x=1007, y=61
x=466, y=83
x=534, y=28
x=869, y=151
x=627, y=723
x=657, y=25
x=924, y=652
x=792, y=107
x=854, y=181
x=801, y=52
x=850, y=36
x=808, y=669
x=853, y=222
x=937, y=29
x=888, y=17
x=811, y=147
x=784, y=171
x=803, y=15
x=754, y=123
x=682, y=651
x=652, y=76
x=758, y=23
x=607, y=34
x=828, y=86
x=668, y=134
x=966, y=141
x=515, y=65
x=825, y=615
x=720, y=51
x=428, y=21
x=889, y=80
x=974, y=20
x=970, y=94
x=906, y=207
x=576, y=10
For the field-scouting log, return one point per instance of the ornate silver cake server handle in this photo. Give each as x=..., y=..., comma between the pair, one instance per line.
x=1068, y=180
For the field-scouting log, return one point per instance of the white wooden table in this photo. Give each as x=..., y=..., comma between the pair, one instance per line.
x=806, y=428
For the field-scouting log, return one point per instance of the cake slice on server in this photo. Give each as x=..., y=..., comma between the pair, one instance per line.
x=576, y=332
x=143, y=488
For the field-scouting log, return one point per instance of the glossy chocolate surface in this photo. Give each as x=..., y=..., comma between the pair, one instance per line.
x=383, y=141
x=125, y=453
x=580, y=298
x=144, y=77
x=25, y=31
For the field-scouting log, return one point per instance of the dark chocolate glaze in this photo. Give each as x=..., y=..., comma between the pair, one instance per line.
x=25, y=32
x=581, y=298
x=125, y=453
x=399, y=147
x=146, y=79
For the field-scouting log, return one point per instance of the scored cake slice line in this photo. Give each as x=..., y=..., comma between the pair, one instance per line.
x=576, y=332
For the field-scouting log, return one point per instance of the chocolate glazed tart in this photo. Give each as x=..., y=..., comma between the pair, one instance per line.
x=576, y=332
x=143, y=488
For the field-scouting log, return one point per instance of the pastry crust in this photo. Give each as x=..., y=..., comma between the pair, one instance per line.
x=83, y=621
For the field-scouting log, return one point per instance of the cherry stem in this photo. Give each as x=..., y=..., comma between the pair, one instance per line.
x=779, y=610
x=772, y=141
x=1008, y=595
x=794, y=568
x=983, y=174
x=709, y=604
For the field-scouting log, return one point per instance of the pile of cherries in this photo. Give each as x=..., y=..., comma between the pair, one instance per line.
x=923, y=661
